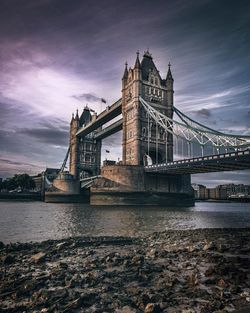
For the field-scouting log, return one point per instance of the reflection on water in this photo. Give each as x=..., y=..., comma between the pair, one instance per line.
x=35, y=221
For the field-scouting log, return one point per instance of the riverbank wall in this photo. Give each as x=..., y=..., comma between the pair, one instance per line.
x=20, y=196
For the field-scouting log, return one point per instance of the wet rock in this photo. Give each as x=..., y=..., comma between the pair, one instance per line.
x=193, y=280
x=153, y=253
x=209, y=246
x=209, y=271
x=125, y=309
x=221, y=283
x=38, y=257
x=152, y=308
x=137, y=260
x=8, y=259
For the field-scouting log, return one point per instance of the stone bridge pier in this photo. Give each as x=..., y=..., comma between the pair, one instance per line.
x=131, y=185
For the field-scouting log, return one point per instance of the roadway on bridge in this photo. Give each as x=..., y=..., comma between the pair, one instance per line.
x=214, y=163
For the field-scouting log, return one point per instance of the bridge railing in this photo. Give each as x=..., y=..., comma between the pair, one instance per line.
x=198, y=159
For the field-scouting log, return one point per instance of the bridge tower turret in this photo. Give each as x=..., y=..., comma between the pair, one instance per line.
x=170, y=112
x=142, y=140
x=73, y=164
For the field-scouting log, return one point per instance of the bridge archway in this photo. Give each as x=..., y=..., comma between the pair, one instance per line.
x=153, y=157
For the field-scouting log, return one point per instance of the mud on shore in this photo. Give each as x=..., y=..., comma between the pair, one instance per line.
x=188, y=271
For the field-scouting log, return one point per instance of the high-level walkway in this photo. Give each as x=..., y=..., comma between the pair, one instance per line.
x=104, y=117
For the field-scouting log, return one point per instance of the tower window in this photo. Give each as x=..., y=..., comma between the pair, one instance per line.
x=130, y=134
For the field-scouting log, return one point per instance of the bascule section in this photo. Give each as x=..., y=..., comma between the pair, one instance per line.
x=143, y=141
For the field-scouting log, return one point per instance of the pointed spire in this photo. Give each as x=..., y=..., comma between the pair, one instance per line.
x=77, y=116
x=147, y=54
x=169, y=74
x=125, y=74
x=137, y=62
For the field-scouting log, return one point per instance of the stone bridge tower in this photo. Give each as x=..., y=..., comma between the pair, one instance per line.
x=85, y=152
x=142, y=140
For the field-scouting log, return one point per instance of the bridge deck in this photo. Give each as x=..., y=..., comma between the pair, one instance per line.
x=214, y=163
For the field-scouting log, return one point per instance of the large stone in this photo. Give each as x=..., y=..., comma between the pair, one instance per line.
x=39, y=257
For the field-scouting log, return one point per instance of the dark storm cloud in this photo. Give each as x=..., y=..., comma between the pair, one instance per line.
x=4, y=161
x=47, y=135
x=48, y=130
x=203, y=113
x=87, y=97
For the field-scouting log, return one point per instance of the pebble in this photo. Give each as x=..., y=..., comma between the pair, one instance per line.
x=38, y=257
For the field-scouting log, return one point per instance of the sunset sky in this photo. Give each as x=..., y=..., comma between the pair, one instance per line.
x=59, y=55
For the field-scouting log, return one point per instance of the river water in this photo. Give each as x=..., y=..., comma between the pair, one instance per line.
x=37, y=221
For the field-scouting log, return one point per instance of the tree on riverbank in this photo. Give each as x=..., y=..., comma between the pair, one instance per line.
x=21, y=181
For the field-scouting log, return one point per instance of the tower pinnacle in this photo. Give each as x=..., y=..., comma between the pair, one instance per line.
x=169, y=74
x=125, y=74
x=77, y=116
x=137, y=62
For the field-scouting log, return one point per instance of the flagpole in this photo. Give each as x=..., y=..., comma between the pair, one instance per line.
x=102, y=101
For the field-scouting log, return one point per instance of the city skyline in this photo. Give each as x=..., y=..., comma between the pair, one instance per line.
x=58, y=56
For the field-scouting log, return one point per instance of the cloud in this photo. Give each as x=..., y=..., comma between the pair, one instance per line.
x=87, y=97
x=214, y=179
x=203, y=113
x=9, y=162
x=48, y=136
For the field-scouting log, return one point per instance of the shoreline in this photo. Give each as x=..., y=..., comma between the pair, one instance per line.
x=186, y=271
x=54, y=197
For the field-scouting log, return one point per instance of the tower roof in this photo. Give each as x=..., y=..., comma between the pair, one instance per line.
x=147, y=65
x=85, y=116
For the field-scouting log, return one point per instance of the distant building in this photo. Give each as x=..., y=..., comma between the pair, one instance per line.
x=221, y=192
x=199, y=191
x=109, y=162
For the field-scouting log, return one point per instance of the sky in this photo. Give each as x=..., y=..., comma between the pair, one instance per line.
x=59, y=55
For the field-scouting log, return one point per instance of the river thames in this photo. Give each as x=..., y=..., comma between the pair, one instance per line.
x=37, y=221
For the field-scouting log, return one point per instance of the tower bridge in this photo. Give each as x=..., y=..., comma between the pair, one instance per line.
x=148, y=173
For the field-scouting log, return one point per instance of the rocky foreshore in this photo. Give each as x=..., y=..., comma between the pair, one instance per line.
x=188, y=271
